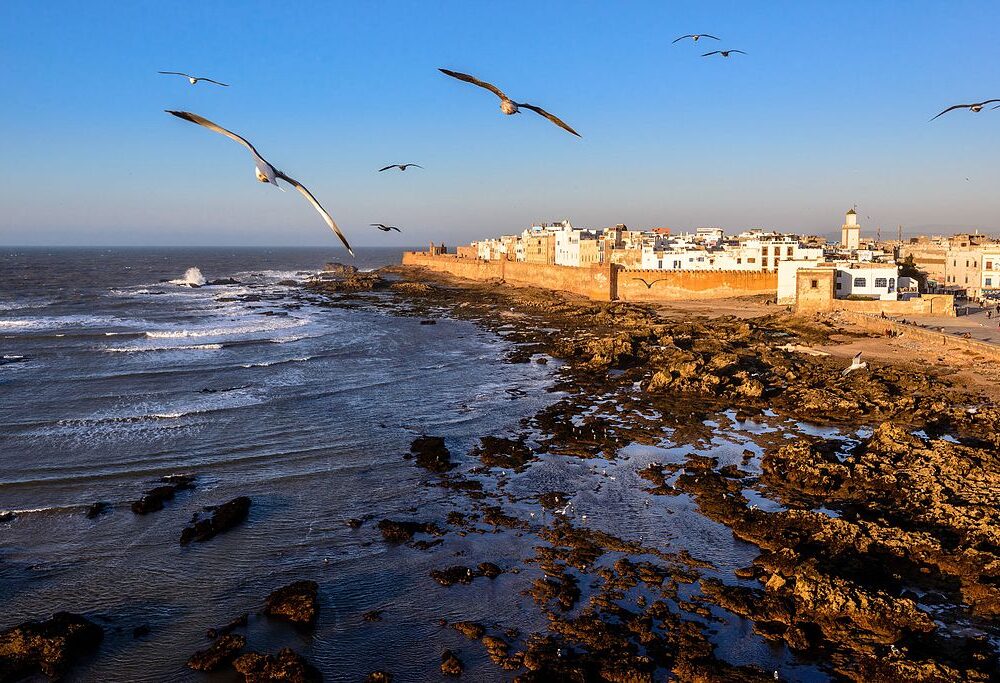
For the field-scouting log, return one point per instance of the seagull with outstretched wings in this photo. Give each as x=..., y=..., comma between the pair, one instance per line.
x=649, y=285
x=507, y=105
x=724, y=53
x=193, y=79
x=975, y=107
x=266, y=173
x=856, y=364
x=695, y=37
x=385, y=228
x=401, y=167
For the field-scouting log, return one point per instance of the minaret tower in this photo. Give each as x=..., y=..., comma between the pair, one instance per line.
x=850, y=231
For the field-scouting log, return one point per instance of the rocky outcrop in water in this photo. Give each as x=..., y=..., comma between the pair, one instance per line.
x=218, y=655
x=431, y=453
x=451, y=665
x=153, y=499
x=221, y=518
x=49, y=647
x=396, y=531
x=296, y=602
x=285, y=667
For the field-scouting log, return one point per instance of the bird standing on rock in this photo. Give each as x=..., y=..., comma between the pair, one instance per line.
x=507, y=105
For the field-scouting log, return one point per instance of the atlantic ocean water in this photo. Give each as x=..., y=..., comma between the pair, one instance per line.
x=115, y=372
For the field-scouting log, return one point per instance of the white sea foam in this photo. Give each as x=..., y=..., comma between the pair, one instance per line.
x=192, y=276
x=182, y=347
x=62, y=322
x=257, y=325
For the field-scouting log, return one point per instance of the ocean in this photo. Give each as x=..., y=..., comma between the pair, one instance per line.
x=115, y=373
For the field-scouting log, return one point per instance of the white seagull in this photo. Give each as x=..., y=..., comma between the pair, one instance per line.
x=401, y=167
x=266, y=173
x=856, y=364
x=193, y=79
x=507, y=105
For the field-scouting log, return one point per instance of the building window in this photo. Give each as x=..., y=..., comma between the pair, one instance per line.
x=989, y=265
x=751, y=259
x=989, y=282
x=840, y=285
x=881, y=282
x=892, y=284
x=677, y=265
x=739, y=259
x=814, y=284
x=788, y=252
x=860, y=282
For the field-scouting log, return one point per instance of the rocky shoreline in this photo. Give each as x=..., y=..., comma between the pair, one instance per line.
x=879, y=556
x=871, y=504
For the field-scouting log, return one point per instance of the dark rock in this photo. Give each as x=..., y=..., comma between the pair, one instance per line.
x=220, y=653
x=97, y=509
x=494, y=451
x=542, y=360
x=431, y=453
x=238, y=622
x=224, y=517
x=223, y=281
x=296, y=602
x=428, y=322
x=373, y=615
x=451, y=665
x=285, y=667
x=400, y=532
x=49, y=647
x=453, y=575
x=153, y=499
x=354, y=523
x=140, y=631
x=379, y=677
x=288, y=283
x=489, y=570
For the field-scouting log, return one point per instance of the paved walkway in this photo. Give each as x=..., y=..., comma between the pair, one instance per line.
x=976, y=324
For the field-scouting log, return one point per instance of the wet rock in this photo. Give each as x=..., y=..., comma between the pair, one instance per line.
x=354, y=523
x=431, y=453
x=452, y=575
x=451, y=665
x=411, y=287
x=373, y=615
x=48, y=647
x=238, y=622
x=153, y=499
x=98, y=509
x=489, y=570
x=428, y=322
x=553, y=500
x=395, y=531
x=379, y=677
x=223, y=518
x=140, y=631
x=285, y=667
x=223, y=281
x=506, y=453
x=333, y=268
x=219, y=654
x=296, y=602
x=470, y=629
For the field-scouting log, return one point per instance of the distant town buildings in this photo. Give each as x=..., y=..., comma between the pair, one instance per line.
x=859, y=268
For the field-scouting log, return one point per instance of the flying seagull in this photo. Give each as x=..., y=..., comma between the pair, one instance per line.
x=856, y=364
x=695, y=37
x=385, y=228
x=649, y=285
x=724, y=53
x=194, y=79
x=975, y=107
x=507, y=105
x=266, y=173
x=401, y=167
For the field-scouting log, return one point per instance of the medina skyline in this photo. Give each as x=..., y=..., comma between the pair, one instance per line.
x=829, y=108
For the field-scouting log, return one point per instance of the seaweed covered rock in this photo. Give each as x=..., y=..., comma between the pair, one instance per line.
x=221, y=518
x=297, y=602
x=48, y=647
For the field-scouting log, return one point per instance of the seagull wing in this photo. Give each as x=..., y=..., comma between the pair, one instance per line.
x=417, y=165
x=682, y=38
x=376, y=225
x=641, y=280
x=202, y=121
x=316, y=205
x=954, y=106
x=706, y=35
x=176, y=73
x=224, y=85
x=393, y=227
x=475, y=81
x=713, y=52
x=388, y=167
x=554, y=119
x=740, y=51
x=984, y=102
x=857, y=357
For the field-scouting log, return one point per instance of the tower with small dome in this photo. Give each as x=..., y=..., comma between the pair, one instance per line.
x=850, y=231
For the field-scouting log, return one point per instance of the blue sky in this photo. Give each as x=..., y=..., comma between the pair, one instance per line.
x=829, y=108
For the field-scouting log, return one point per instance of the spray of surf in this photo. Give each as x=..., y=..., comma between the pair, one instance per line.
x=192, y=278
